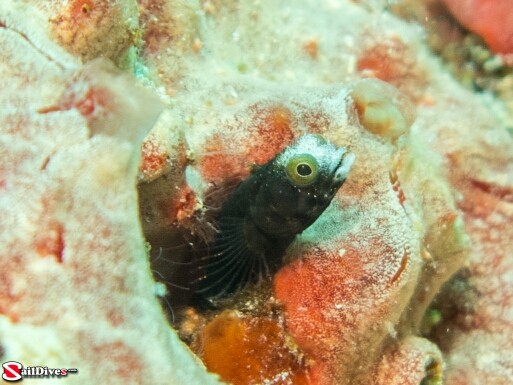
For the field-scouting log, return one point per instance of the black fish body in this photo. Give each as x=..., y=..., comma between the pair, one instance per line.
x=265, y=213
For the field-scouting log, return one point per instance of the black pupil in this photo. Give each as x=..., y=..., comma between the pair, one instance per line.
x=304, y=169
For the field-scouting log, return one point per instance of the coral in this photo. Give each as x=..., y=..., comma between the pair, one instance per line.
x=481, y=170
x=413, y=361
x=391, y=59
x=405, y=279
x=492, y=20
x=93, y=28
x=75, y=274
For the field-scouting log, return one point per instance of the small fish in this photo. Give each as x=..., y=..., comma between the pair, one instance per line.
x=267, y=210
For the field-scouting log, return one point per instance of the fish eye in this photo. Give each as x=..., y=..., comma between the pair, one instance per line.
x=302, y=170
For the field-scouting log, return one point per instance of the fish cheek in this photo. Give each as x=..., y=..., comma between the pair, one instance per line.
x=312, y=202
x=259, y=244
x=287, y=202
x=272, y=206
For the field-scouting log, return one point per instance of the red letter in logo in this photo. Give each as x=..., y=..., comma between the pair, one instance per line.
x=12, y=371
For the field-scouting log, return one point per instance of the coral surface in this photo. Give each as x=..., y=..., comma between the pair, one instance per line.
x=405, y=279
x=492, y=20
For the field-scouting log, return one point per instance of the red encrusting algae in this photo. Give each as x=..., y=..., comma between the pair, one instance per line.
x=254, y=350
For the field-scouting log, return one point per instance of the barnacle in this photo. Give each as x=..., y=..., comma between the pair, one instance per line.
x=382, y=109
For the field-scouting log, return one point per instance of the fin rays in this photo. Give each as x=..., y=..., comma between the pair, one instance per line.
x=229, y=266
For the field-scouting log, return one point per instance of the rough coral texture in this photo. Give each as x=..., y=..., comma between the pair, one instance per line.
x=405, y=279
x=76, y=289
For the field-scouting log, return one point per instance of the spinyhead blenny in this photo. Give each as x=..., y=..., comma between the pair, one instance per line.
x=267, y=210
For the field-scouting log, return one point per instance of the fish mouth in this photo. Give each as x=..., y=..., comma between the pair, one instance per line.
x=344, y=166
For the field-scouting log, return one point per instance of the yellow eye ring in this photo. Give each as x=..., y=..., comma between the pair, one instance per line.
x=302, y=170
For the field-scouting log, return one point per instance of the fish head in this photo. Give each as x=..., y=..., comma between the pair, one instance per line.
x=300, y=184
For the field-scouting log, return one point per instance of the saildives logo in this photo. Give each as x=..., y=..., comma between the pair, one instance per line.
x=14, y=371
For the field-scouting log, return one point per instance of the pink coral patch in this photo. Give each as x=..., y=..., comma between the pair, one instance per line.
x=154, y=160
x=81, y=9
x=490, y=19
x=269, y=130
x=51, y=242
x=298, y=286
x=89, y=102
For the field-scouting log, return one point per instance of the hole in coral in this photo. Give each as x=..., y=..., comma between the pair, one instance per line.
x=450, y=310
x=177, y=236
x=178, y=227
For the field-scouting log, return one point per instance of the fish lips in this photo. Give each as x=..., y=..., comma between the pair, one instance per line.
x=346, y=160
